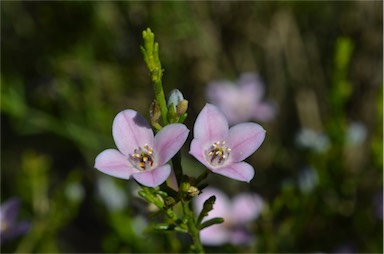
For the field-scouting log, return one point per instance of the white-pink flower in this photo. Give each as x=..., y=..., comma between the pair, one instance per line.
x=237, y=212
x=222, y=150
x=242, y=101
x=140, y=154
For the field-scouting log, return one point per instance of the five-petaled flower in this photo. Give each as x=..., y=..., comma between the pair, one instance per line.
x=242, y=101
x=140, y=154
x=222, y=150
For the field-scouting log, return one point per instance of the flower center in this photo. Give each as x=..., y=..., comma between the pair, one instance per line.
x=143, y=158
x=218, y=153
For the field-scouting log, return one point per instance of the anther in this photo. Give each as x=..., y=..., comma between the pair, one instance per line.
x=218, y=153
x=143, y=157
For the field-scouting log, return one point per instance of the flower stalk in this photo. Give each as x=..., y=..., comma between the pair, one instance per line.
x=151, y=57
x=193, y=228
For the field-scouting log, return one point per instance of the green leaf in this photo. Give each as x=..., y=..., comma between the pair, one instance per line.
x=207, y=207
x=217, y=220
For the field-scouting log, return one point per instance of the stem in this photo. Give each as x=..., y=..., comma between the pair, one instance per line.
x=176, y=163
x=193, y=231
x=202, y=176
x=151, y=57
x=160, y=97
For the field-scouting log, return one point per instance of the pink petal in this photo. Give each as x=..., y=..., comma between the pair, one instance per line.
x=114, y=163
x=211, y=125
x=244, y=139
x=197, y=151
x=240, y=236
x=169, y=141
x=219, y=91
x=246, y=207
x=154, y=177
x=172, y=181
x=215, y=235
x=130, y=130
x=241, y=171
x=250, y=83
x=265, y=112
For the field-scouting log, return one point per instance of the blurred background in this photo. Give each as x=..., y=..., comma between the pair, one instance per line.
x=67, y=68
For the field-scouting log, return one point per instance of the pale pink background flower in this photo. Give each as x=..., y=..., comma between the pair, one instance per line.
x=238, y=213
x=241, y=101
x=140, y=154
x=222, y=150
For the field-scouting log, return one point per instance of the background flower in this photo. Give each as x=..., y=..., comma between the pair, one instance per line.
x=10, y=226
x=238, y=214
x=241, y=101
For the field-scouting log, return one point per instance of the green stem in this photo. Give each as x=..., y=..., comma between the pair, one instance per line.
x=193, y=231
x=151, y=57
x=176, y=163
x=160, y=97
x=202, y=176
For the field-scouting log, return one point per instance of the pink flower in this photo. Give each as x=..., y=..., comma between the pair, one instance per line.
x=242, y=101
x=223, y=150
x=238, y=213
x=141, y=154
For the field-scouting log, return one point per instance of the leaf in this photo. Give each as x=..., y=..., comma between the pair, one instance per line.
x=217, y=220
x=207, y=207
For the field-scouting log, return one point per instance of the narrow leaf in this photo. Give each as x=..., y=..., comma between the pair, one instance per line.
x=211, y=222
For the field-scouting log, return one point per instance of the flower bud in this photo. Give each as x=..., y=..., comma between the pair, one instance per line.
x=176, y=98
x=182, y=107
x=193, y=191
x=185, y=185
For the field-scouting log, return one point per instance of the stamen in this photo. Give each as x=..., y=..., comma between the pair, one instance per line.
x=143, y=158
x=218, y=153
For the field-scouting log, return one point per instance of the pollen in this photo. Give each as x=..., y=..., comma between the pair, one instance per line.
x=143, y=157
x=218, y=153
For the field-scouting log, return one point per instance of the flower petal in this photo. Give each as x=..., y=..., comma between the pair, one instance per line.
x=250, y=84
x=244, y=139
x=211, y=125
x=241, y=171
x=240, y=236
x=215, y=235
x=154, y=177
x=219, y=91
x=246, y=207
x=197, y=151
x=169, y=141
x=264, y=112
x=114, y=163
x=130, y=130
x=9, y=211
